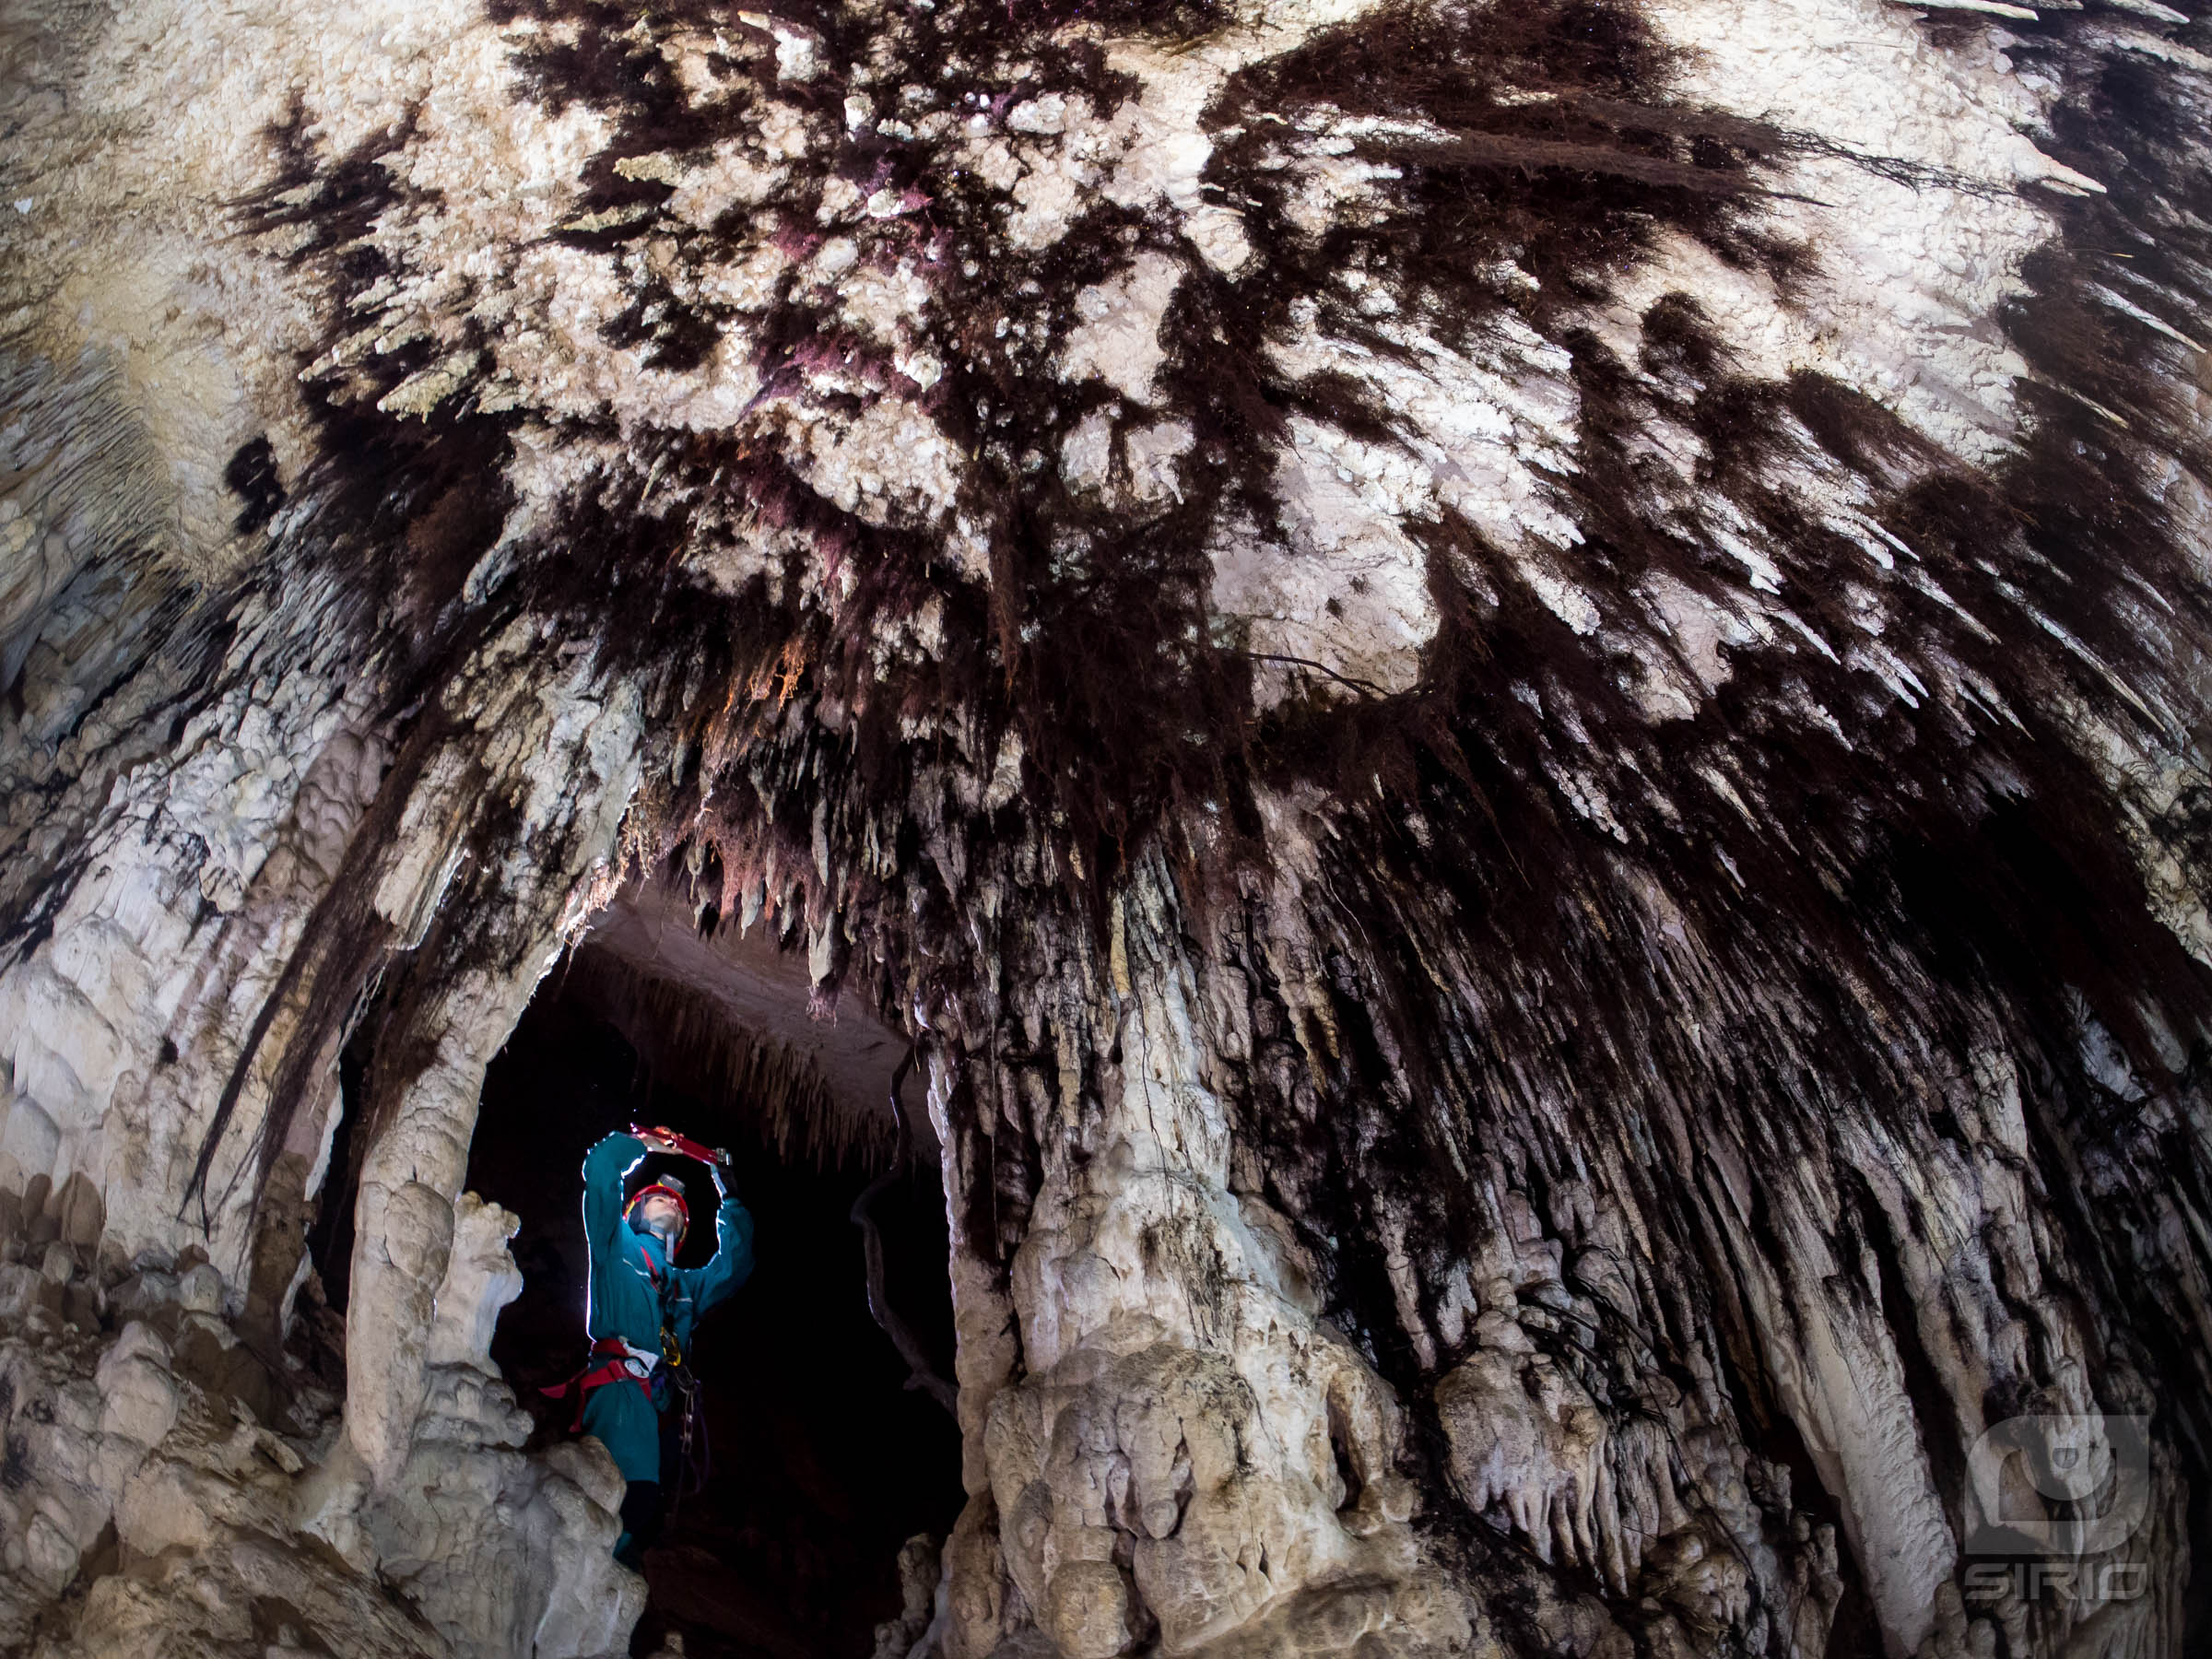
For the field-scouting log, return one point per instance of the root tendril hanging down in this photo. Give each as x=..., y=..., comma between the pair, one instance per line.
x=924, y=1376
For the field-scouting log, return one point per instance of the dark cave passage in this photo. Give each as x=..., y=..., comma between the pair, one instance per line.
x=823, y=1463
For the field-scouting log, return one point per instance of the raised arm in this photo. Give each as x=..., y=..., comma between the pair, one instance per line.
x=606, y=1167
x=732, y=1262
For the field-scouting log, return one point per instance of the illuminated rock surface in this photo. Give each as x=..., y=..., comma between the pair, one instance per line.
x=1514, y=699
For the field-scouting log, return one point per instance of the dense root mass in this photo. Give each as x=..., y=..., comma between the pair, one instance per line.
x=1513, y=695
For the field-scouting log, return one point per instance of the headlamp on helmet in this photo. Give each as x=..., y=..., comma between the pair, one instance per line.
x=669, y=1188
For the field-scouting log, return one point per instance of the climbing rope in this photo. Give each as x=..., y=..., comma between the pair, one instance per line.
x=694, y=1458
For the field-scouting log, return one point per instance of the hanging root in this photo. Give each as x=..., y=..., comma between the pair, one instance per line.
x=864, y=1217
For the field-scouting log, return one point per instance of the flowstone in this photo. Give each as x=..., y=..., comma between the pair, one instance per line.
x=151, y=1508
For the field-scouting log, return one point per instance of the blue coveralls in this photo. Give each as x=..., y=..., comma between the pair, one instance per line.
x=633, y=1291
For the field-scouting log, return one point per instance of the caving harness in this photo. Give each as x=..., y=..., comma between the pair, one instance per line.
x=613, y=1360
x=616, y=1359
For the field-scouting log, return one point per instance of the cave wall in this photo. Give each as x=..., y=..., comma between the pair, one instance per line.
x=1513, y=699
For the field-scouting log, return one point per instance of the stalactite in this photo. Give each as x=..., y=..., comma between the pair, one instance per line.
x=700, y=1047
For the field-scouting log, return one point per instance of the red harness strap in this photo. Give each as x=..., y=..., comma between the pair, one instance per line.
x=615, y=1369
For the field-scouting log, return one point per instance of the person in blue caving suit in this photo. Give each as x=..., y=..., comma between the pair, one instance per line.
x=642, y=1309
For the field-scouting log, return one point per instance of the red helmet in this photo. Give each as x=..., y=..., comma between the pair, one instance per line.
x=661, y=1189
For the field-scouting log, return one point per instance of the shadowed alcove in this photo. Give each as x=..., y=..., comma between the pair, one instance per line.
x=822, y=1462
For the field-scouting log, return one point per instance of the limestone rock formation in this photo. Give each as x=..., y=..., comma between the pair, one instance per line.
x=1512, y=693
x=151, y=1508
